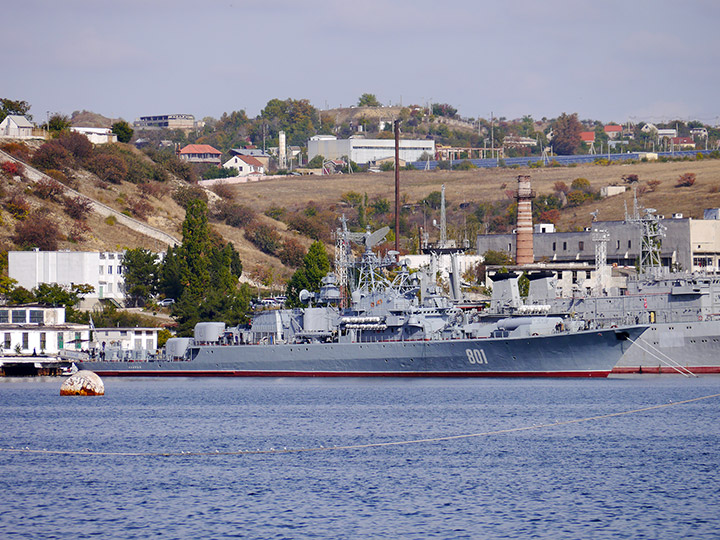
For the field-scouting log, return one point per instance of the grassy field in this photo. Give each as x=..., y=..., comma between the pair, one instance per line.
x=491, y=184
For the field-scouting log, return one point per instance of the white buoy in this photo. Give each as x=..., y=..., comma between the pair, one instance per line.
x=83, y=383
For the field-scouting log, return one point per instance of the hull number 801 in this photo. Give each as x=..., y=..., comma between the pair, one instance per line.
x=476, y=356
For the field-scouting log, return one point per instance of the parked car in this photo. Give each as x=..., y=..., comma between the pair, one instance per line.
x=165, y=302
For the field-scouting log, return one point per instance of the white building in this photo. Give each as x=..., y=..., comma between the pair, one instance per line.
x=33, y=328
x=245, y=165
x=16, y=127
x=126, y=339
x=96, y=135
x=361, y=150
x=102, y=270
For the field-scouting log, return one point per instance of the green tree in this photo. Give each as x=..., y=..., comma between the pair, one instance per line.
x=123, y=131
x=496, y=258
x=368, y=100
x=58, y=123
x=566, y=134
x=316, y=162
x=53, y=294
x=314, y=267
x=194, y=249
x=18, y=107
x=140, y=268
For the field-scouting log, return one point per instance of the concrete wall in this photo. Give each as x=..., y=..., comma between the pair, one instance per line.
x=100, y=269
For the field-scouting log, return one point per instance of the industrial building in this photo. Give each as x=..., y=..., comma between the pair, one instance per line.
x=166, y=121
x=102, y=270
x=688, y=244
x=361, y=150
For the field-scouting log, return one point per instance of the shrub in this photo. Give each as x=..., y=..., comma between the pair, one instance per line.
x=78, y=232
x=235, y=215
x=16, y=149
x=18, y=206
x=265, y=238
x=686, y=180
x=61, y=177
x=224, y=191
x=465, y=165
x=139, y=208
x=12, y=168
x=582, y=184
x=108, y=168
x=77, y=207
x=275, y=212
x=77, y=144
x=52, y=155
x=292, y=253
x=38, y=230
x=153, y=189
x=184, y=194
x=47, y=188
x=653, y=184
x=110, y=220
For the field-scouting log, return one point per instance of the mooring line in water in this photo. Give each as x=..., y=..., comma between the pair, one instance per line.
x=89, y=452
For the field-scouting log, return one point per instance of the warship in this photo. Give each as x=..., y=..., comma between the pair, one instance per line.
x=680, y=309
x=377, y=318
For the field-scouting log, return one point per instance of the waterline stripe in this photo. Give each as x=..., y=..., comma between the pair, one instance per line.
x=89, y=452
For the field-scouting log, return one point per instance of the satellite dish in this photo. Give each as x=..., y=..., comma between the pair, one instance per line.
x=375, y=238
x=305, y=296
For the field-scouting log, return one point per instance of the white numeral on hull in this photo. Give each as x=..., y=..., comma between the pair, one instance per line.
x=476, y=356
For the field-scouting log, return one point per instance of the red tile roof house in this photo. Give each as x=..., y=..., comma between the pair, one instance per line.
x=587, y=137
x=245, y=165
x=200, y=153
x=683, y=142
x=613, y=131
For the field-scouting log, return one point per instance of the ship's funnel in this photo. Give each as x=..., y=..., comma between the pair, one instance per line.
x=524, y=240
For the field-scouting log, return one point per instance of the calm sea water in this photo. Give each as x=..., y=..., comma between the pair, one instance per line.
x=654, y=474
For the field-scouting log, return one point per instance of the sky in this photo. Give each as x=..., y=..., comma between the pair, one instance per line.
x=612, y=60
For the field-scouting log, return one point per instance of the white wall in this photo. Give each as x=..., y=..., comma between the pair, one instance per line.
x=102, y=270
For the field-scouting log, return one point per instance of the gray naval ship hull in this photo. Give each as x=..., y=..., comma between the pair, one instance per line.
x=591, y=353
x=668, y=347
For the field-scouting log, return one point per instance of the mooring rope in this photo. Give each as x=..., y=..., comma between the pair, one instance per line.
x=321, y=448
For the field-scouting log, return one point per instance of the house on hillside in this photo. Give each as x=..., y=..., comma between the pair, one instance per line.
x=200, y=153
x=96, y=135
x=258, y=154
x=16, y=127
x=245, y=165
x=683, y=143
x=613, y=131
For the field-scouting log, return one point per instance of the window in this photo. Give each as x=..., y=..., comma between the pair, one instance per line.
x=43, y=341
x=26, y=340
x=564, y=246
x=629, y=244
x=78, y=340
x=109, y=269
x=581, y=245
x=554, y=246
x=618, y=245
x=37, y=316
x=19, y=316
x=109, y=288
x=111, y=255
x=8, y=340
x=4, y=316
x=100, y=270
x=119, y=269
x=61, y=341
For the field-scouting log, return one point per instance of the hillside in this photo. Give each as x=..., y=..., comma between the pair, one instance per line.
x=155, y=203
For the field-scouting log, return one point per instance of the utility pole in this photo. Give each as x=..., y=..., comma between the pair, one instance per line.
x=397, y=185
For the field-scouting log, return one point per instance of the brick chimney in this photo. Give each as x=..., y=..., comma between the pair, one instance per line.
x=524, y=240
